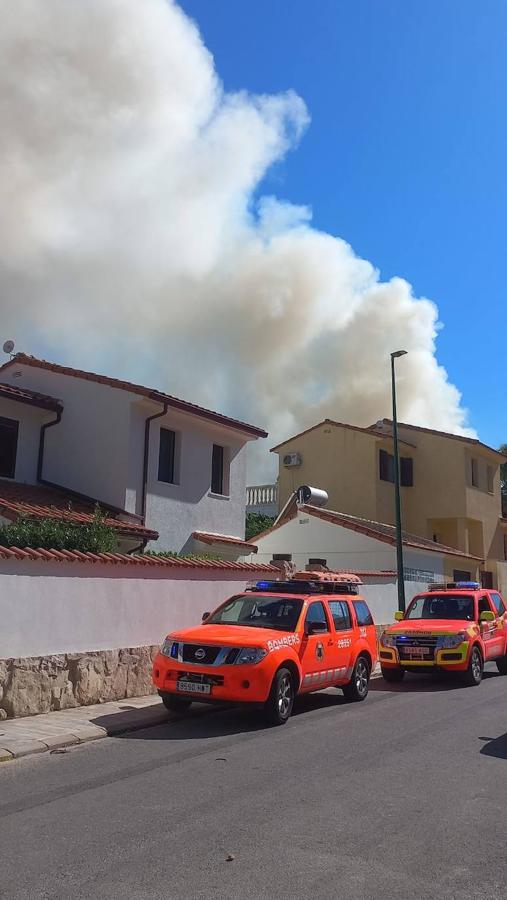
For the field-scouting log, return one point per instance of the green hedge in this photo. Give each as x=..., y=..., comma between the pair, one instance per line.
x=60, y=534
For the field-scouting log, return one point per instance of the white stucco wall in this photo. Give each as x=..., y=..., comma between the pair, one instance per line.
x=307, y=537
x=176, y=510
x=30, y=419
x=48, y=608
x=88, y=450
x=98, y=448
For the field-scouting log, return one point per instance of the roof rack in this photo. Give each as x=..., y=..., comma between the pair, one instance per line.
x=302, y=585
x=456, y=585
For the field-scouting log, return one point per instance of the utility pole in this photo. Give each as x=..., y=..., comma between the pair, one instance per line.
x=397, y=490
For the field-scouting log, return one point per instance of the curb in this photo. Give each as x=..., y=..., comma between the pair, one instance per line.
x=18, y=747
x=118, y=723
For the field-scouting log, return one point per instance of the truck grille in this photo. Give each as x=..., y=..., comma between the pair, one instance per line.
x=405, y=644
x=199, y=654
x=207, y=655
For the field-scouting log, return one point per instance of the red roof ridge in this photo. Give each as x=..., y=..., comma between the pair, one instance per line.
x=370, y=430
x=119, y=559
x=210, y=537
x=383, y=531
x=150, y=393
x=446, y=434
x=40, y=502
x=32, y=398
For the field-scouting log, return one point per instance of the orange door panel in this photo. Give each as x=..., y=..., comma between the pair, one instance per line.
x=318, y=651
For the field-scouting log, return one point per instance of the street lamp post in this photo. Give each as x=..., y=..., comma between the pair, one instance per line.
x=397, y=491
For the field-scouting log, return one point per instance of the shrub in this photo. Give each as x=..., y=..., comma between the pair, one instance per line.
x=256, y=523
x=59, y=534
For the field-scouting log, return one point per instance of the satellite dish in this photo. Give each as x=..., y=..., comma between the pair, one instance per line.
x=8, y=347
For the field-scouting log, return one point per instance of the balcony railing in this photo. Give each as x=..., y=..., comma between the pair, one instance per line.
x=262, y=495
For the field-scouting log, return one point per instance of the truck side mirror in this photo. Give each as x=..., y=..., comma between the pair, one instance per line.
x=487, y=616
x=205, y=616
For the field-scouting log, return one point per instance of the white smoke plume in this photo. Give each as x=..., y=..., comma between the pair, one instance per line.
x=132, y=239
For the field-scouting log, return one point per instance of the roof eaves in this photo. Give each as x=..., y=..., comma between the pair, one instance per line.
x=131, y=387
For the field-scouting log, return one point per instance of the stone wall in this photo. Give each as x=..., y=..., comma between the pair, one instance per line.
x=42, y=684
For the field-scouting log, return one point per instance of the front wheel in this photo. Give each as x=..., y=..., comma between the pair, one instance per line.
x=392, y=674
x=174, y=703
x=278, y=706
x=358, y=686
x=473, y=675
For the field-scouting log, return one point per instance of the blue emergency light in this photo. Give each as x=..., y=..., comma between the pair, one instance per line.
x=468, y=585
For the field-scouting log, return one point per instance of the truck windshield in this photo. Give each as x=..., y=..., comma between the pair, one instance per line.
x=258, y=612
x=442, y=606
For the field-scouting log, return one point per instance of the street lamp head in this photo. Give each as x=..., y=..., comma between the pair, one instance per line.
x=398, y=353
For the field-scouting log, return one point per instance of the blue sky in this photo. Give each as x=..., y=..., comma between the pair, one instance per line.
x=405, y=156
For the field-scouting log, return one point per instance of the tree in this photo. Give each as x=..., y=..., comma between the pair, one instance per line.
x=256, y=523
x=503, y=469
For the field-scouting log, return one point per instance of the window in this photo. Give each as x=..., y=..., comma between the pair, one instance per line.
x=217, y=470
x=316, y=615
x=8, y=446
x=341, y=615
x=260, y=612
x=487, y=579
x=442, y=606
x=491, y=484
x=484, y=604
x=407, y=471
x=475, y=472
x=363, y=614
x=386, y=468
x=166, y=455
x=461, y=575
x=498, y=604
x=386, y=465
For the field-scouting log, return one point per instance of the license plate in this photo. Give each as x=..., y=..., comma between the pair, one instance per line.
x=417, y=651
x=193, y=687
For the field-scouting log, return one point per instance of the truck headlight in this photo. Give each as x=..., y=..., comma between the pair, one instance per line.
x=388, y=640
x=170, y=648
x=448, y=641
x=250, y=656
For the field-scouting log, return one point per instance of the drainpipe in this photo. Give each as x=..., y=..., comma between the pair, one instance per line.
x=146, y=456
x=40, y=461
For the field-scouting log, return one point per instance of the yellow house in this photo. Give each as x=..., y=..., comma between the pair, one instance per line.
x=450, y=484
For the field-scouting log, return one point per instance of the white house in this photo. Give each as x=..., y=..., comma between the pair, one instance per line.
x=170, y=474
x=306, y=535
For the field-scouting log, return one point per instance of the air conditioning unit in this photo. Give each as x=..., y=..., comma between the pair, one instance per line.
x=292, y=459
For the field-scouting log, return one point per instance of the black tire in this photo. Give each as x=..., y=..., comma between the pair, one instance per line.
x=358, y=686
x=473, y=675
x=501, y=664
x=280, y=702
x=174, y=703
x=393, y=675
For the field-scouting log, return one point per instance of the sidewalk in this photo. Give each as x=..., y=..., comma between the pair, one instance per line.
x=56, y=730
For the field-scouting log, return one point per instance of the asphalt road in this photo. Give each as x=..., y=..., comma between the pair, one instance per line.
x=402, y=796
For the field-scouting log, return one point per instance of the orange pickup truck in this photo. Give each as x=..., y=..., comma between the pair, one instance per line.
x=457, y=627
x=274, y=641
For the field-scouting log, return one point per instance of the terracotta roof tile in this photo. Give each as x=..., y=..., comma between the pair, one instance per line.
x=372, y=431
x=206, y=537
x=119, y=559
x=381, y=531
x=445, y=434
x=38, y=501
x=32, y=398
x=131, y=387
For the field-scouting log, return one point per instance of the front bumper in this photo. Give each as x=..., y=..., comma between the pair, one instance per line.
x=229, y=683
x=455, y=659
